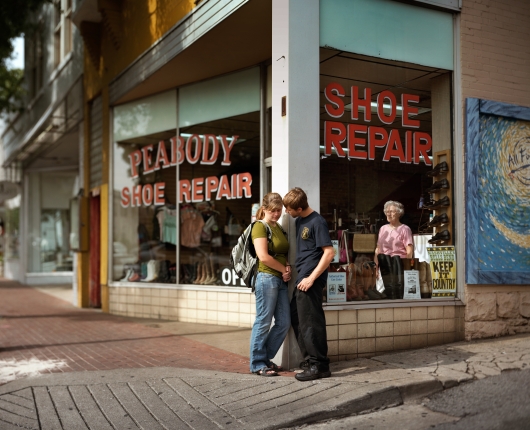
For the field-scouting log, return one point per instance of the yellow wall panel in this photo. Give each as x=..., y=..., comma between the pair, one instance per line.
x=122, y=41
x=125, y=34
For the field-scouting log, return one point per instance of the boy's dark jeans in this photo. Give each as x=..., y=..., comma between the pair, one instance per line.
x=309, y=324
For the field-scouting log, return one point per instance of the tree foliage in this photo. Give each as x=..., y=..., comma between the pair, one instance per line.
x=14, y=21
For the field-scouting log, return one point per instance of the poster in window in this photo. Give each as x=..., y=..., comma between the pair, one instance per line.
x=443, y=269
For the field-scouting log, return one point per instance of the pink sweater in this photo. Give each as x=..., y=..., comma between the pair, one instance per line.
x=394, y=241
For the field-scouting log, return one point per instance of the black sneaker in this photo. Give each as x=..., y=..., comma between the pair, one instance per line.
x=304, y=365
x=312, y=373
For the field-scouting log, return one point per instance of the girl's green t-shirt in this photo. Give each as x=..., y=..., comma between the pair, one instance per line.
x=278, y=248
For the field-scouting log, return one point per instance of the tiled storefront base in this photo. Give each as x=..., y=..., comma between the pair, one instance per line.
x=352, y=333
x=236, y=308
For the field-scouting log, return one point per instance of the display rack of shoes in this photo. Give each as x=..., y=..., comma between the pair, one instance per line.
x=441, y=203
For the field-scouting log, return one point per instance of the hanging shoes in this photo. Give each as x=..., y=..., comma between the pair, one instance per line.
x=443, y=236
x=439, y=220
x=440, y=168
x=444, y=201
x=442, y=184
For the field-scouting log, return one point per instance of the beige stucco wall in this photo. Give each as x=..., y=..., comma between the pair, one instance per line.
x=495, y=59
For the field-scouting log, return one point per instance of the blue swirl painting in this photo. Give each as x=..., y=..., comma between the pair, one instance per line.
x=503, y=188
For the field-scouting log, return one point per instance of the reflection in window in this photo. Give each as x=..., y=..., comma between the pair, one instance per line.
x=49, y=222
x=54, y=243
x=218, y=165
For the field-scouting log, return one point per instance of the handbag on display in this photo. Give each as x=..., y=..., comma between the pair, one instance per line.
x=343, y=247
x=364, y=242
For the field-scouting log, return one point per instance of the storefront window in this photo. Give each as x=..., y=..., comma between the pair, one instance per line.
x=384, y=126
x=49, y=222
x=12, y=228
x=141, y=191
x=219, y=182
x=183, y=194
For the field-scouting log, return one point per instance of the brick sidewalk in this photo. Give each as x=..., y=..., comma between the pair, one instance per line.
x=36, y=325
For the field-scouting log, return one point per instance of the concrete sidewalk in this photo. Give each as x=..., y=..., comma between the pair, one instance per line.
x=119, y=374
x=174, y=398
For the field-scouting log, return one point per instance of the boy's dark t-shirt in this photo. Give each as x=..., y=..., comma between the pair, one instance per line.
x=312, y=233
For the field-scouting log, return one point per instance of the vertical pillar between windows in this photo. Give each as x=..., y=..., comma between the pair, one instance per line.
x=295, y=136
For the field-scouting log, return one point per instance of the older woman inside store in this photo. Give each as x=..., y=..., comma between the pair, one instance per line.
x=271, y=288
x=394, y=243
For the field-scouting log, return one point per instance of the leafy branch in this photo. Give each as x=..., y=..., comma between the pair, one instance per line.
x=15, y=20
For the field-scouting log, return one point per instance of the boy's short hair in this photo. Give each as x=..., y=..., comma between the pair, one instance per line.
x=296, y=198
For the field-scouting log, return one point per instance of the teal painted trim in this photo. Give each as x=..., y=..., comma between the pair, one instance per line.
x=222, y=97
x=388, y=29
x=145, y=116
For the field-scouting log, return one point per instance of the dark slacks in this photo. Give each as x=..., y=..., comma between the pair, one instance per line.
x=309, y=324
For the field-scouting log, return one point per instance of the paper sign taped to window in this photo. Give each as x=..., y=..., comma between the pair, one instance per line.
x=336, y=287
x=412, y=284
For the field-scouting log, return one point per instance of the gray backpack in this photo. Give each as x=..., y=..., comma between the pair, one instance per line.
x=243, y=258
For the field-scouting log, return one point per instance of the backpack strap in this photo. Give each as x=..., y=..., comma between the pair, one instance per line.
x=269, y=235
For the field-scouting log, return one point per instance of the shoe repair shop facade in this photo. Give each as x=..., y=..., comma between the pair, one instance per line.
x=197, y=133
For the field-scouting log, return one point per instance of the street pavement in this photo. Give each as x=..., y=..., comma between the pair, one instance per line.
x=495, y=402
x=107, y=372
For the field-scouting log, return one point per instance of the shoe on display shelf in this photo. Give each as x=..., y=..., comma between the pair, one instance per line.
x=438, y=169
x=443, y=202
x=443, y=236
x=442, y=184
x=441, y=219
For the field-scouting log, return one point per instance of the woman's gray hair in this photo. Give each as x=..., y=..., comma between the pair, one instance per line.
x=399, y=207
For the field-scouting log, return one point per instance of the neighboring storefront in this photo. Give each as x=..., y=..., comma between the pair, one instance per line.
x=41, y=143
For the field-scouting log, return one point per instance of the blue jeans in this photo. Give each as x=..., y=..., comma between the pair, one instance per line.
x=271, y=300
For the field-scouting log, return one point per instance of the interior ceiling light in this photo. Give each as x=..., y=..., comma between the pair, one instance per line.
x=387, y=109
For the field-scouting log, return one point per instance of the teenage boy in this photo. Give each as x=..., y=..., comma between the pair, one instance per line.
x=314, y=253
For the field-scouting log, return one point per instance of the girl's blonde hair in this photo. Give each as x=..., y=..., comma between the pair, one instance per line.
x=270, y=202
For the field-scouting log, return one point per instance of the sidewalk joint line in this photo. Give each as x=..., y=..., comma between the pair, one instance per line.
x=77, y=407
x=143, y=404
x=14, y=413
x=32, y=389
x=7, y=401
x=91, y=394
x=16, y=425
x=206, y=398
x=279, y=397
x=123, y=406
x=170, y=408
x=99, y=406
x=54, y=406
x=310, y=395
